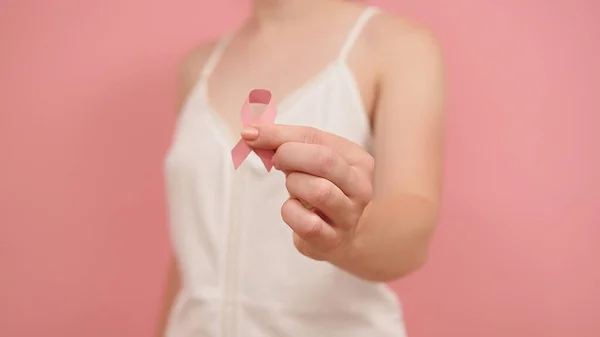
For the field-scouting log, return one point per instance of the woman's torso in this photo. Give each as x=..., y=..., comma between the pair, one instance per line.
x=241, y=274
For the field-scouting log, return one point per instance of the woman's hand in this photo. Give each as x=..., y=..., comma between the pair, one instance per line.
x=329, y=179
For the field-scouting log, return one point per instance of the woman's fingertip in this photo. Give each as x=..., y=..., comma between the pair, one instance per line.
x=250, y=133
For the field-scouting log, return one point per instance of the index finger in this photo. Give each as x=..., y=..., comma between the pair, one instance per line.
x=271, y=136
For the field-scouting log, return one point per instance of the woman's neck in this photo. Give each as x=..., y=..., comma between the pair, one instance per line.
x=269, y=12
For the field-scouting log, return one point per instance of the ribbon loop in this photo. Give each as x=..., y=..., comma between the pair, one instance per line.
x=241, y=150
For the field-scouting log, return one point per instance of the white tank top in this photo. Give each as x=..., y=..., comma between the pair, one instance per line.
x=241, y=274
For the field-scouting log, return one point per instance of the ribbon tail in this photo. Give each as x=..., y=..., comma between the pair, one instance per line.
x=240, y=151
x=266, y=156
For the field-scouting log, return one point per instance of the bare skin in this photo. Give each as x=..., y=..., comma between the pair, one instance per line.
x=379, y=218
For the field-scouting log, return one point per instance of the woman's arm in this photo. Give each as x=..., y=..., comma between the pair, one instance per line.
x=393, y=234
x=172, y=286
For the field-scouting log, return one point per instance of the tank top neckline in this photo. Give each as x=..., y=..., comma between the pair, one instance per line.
x=290, y=100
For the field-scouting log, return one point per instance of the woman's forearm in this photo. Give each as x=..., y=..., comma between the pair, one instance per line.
x=172, y=286
x=392, y=238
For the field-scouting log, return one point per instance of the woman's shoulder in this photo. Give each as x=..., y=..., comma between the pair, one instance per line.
x=388, y=29
x=394, y=39
x=190, y=67
x=192, y=62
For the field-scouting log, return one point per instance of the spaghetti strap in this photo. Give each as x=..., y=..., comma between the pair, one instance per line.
x=214, y=57
x=355, y=31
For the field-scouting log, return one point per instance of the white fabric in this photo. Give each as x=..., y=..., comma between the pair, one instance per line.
x=241, y=275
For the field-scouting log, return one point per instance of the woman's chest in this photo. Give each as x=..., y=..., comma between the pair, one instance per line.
x=313, y=85
x=203, y=130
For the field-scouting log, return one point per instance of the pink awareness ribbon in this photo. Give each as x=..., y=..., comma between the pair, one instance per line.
x=241, y=150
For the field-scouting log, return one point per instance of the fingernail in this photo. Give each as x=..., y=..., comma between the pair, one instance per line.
x=250, y=133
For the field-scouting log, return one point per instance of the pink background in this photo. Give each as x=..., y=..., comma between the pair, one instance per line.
x=86, y=111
